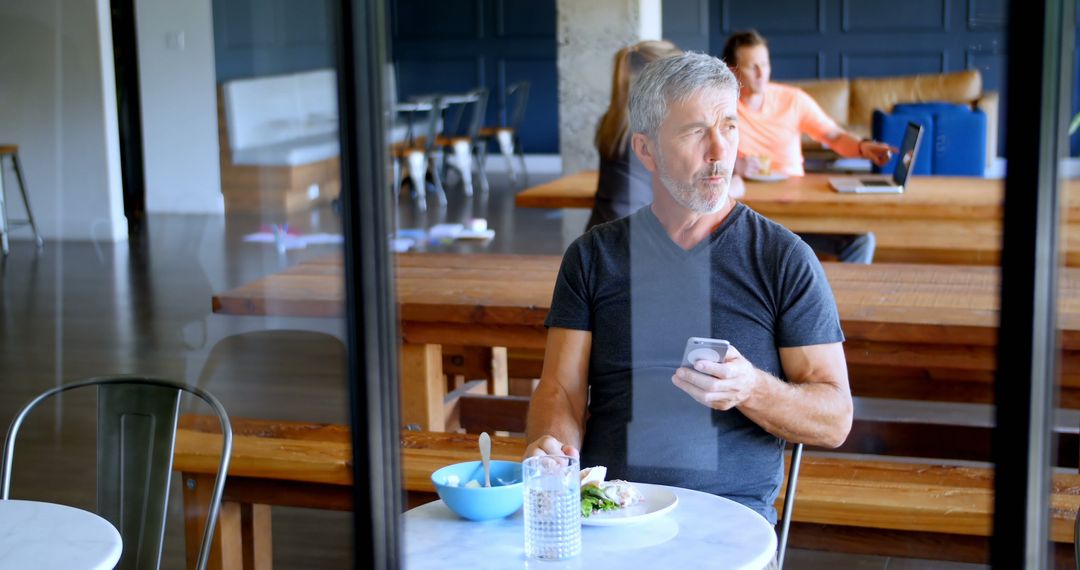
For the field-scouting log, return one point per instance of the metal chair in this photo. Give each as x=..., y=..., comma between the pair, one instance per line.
x=5, y=224
x=507, y=135
x=1076, y=540
x=136, y=431
x=462, y=140
x=789, y=503
x=415, y=153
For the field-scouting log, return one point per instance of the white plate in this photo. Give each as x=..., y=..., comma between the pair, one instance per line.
x=659, y=500
x=775, y=177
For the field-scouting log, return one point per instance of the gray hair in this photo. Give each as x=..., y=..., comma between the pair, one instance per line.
x=674, y=79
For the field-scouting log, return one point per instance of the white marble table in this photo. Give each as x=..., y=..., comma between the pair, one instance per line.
x=704, y=531
x=45, y=536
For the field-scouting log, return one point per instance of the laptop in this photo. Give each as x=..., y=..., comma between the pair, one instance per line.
x=881, y=184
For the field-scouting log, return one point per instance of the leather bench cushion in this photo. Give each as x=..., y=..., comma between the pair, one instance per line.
x=883, y=93
x=833, y=95
x=291, y=153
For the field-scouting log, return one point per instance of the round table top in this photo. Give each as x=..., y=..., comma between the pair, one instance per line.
x=35, y=534
x=703, y=531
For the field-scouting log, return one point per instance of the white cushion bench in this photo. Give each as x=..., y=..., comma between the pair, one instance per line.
x=279, y=142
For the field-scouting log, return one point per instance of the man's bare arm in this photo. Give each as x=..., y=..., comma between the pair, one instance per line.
x=814, y=407
x=556, y=422
x=848, y=145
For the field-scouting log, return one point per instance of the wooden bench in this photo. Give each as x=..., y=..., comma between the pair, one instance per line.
x=844, y=502
x=278, y=142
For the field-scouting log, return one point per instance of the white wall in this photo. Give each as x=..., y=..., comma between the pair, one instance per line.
x=589, y=34
x=59, y=105
x=179, y=106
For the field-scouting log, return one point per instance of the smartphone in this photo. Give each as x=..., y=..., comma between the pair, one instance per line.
x=699, y=348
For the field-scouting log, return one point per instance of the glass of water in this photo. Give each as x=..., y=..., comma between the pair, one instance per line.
x=552, y=507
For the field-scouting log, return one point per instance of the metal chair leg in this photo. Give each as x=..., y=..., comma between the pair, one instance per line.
x=397, y=180
x=26, y=199
x=480, y=149
x=521, y=155
x=506, y=147
x=437, y=181
x=1076, y=540
x=417, y=168
x=4, y=228
x=463, y=158
x=789, y=504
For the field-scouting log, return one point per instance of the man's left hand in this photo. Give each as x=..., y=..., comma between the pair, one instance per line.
x=720, y=386
x=878, y=152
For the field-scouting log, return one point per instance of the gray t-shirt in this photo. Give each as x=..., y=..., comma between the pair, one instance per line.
x=752, y=282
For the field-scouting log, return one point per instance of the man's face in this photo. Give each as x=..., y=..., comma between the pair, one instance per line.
x=696, y=149
x=752, y=68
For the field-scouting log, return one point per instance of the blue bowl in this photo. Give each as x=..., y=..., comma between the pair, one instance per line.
x=503, y=498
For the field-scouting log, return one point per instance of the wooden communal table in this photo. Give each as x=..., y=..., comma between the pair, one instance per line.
x=444, y=299
x=938, y=219
x=912, y=330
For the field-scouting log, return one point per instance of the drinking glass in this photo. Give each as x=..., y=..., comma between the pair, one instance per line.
x=552, y=507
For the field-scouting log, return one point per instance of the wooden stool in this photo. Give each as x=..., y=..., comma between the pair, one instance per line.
x=5, y=224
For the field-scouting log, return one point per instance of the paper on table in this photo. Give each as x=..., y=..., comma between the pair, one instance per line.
x=474, y=234
x=293, y=241
x=445, y=231
x=323, y=238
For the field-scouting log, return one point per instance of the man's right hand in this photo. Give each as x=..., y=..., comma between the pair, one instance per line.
x=548, y=445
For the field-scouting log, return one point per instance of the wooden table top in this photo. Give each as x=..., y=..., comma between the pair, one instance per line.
x=577, y=190
x=880, y=302
x=938, y=219
x=926, y=197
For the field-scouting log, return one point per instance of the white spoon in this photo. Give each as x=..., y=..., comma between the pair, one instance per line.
x=485, y=457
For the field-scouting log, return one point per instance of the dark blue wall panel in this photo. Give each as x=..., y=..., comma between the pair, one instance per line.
x=451, y=75
x=516, y=19
x=788, y=16
x=796, y=64
x=686, y=22
x=918, y=16
x=449, y=46
x=271, y=37
x=437, y=20
x=870, y=64
x=543, y=100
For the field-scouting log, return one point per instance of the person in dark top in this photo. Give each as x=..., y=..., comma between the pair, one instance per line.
x=624, y=185
x=695, y=263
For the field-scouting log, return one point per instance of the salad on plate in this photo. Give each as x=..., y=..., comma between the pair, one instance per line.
x=599, y=495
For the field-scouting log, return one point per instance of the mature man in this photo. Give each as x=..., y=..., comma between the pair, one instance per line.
x=694, y=263
x=772, y=117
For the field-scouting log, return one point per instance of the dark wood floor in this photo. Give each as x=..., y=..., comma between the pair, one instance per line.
x=74, y=310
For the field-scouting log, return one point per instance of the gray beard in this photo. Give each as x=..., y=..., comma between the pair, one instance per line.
x=690, y=197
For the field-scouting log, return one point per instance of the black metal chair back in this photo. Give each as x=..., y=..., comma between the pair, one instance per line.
x=520, y=93
x=136, y=434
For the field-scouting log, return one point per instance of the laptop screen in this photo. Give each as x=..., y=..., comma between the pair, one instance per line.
x=908, y=150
